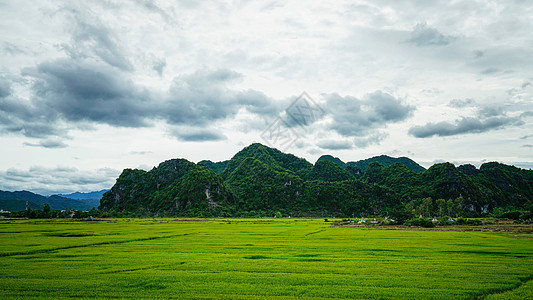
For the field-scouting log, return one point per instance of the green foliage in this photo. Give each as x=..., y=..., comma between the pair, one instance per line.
x=400, y=216
x=505, y=186
x=397, y=177
x=273, y=158
x=445, y=181
x=386, y=161
x=16, y=201
x=335, y=160
x=443, y=221
x=465, y=221
x=355, y=171
x=259, y=181
x=325, y=170
x=17, y=205
x=46, y=210
x=217, y=167
x=259, y=187
x=420, y=222
x=175, y=187
x=525, y=217
x=468, y=169
x=513, y=215
x=50, y=214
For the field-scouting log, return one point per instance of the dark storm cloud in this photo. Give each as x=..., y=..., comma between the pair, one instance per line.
x=33, y=128
x=5, y=87
x=335, y=144
x=462, y=126
x=67, y=94
x=355, y=117
x=488, y=117
x=21, y=117
x=203, y=97
x=89, y=85
x=197, y=135
x=51, y=143
x=372, y=139
x=88, y=92
x=423, y=35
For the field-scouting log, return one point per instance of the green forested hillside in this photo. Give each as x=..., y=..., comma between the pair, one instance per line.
x=387, y=161
x=336, y=160
x=259, y=186
x=274, y=158
x=261, y=181
x=326, y=170
x=175, y=187
x=18, y=205
x=217, y=167
x=16, y=201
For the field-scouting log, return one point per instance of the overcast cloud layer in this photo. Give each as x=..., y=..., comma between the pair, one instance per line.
x=90, y=88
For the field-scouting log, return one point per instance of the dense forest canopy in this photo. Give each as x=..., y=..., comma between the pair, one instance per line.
x=262, y=181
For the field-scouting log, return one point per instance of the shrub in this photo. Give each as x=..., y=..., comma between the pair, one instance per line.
x=512, y=215
x=400, y=216
x=473, y=222
x=422, y=222
x=443, y=221
x=525, y=216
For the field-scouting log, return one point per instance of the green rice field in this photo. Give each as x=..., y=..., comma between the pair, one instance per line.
x=257, y=258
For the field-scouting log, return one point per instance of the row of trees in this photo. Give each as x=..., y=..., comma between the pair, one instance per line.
x=48, y=213
x=429, y=207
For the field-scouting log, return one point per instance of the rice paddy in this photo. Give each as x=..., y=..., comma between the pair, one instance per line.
x=256, y=258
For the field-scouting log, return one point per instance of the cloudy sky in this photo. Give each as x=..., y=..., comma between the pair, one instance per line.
x=88, y=88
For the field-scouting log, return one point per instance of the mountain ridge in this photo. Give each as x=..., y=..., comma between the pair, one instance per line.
x=386, y=161
x=16, y=200
x=259, y=180
x=95, y=195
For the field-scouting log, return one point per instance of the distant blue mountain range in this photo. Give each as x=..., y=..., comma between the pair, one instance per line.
x=16, y=201
x=84, y=196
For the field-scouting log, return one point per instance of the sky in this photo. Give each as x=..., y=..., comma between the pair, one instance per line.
x=89, y=88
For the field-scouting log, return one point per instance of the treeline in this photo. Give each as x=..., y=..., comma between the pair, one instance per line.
x=260, y=181
x=47, y=213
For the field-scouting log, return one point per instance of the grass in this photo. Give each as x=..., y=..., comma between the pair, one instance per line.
x=256, y=258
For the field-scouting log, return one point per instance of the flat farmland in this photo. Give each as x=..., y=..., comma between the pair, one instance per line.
x=256, y=258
